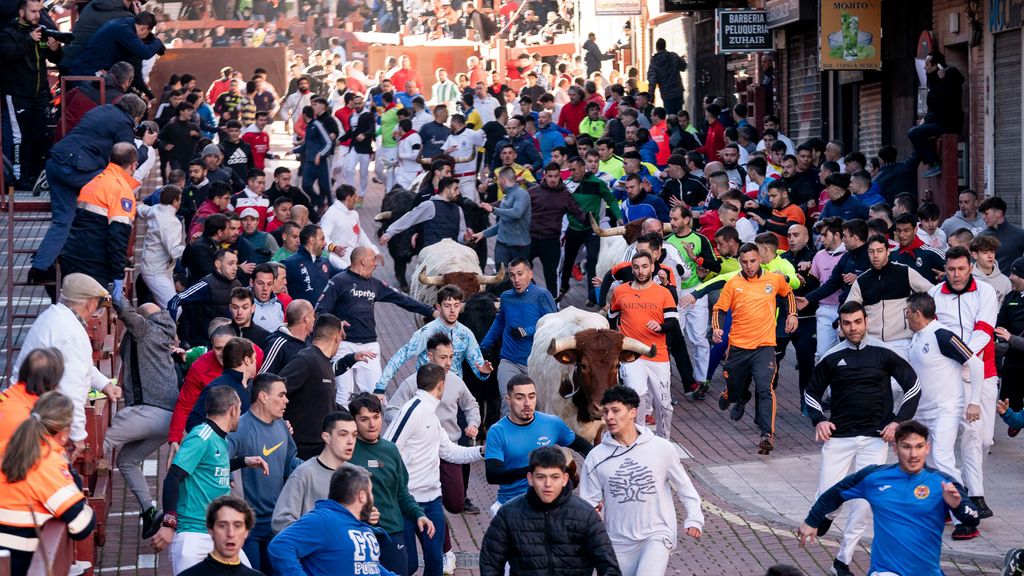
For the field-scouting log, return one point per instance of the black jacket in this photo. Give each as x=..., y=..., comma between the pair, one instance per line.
x=852, y=262
x=310, y=382
x=280, y=349
x=564, y=538
x=198, y=258
x=24, y=62
x=664, y=71
x=691, y=189
x=237, y=158
x=945, y=101
x=202, y=302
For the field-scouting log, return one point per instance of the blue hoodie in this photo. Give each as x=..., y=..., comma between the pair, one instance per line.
x=518, y=311
x=549, y=139
x=327, y=541
x=113, y=42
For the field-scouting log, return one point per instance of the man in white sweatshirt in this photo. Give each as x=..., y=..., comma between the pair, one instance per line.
x=163, y=245
x=342, y=229
x=629, y=475
x=422, y=442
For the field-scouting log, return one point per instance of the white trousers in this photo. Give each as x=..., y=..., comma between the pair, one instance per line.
x=190, y=548
x=976, y=437
x=827, y=337
x=467, y=187
x=385, y=174
x=161, y=286
x=348, y=174
x=404, y=177
x=840, y=457
x=652, y=381
x=338, y=163
x=646, y=558
x=362, y=377
x=942, y=432
x=695, y=332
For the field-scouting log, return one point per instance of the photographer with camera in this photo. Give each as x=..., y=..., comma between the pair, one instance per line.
x=25, y=46
x=129, y=39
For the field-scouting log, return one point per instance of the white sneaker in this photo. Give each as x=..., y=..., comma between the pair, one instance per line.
x=449, y=562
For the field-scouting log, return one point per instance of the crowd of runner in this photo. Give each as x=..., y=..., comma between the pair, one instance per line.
x=252, y=346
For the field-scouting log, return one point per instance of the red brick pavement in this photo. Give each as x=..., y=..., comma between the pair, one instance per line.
x=734, y=542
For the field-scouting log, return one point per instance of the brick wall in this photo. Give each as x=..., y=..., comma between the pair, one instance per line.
x=971, y=62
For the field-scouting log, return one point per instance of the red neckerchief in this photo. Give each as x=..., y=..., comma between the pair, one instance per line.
x=406, y=135
x=917, y=243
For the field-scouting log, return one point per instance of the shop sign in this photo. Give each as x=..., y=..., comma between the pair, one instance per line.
x=850, y=35
x=618, y=7
x=742, y=31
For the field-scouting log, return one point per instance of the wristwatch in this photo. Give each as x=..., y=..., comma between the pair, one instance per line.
x=170, y=521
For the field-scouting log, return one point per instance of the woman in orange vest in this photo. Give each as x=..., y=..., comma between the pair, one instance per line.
x=39, y=373
x=36, y=483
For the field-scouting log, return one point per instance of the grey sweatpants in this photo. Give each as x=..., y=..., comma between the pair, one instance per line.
x=137, y=432
x=506, y=370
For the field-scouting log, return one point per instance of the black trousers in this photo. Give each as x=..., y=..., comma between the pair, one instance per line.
x=805, y=342
x=677, y=348
x=549, y=250
x=25, y=139
x=574, y=240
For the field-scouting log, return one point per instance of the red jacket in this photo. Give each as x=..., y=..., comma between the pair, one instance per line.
x=260, y=144
x=217, y=88
x=206, y=209
x=659, y=135
x=571, y=116
x=715, y=141
x=203, y=371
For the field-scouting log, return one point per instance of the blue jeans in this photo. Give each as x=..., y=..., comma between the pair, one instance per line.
x=322, y=174
x=255, y=547
x=65, y=184
x=924, y=149
x=433, y=557
x=504, y=253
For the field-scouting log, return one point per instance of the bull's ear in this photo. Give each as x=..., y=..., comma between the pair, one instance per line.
x=567, y=356
x=628, y=356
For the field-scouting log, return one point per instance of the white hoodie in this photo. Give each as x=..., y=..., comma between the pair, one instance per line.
x=633, y=483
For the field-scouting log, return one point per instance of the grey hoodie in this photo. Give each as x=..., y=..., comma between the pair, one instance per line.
x=633, y=483
x=149, y=376
x=996, y=280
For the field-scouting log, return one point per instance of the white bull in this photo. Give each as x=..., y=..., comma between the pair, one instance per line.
x=574, y=359
x=448, y=262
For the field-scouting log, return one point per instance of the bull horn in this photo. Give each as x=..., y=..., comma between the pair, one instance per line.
x=561, y=345
x=382, y=216
x=430, y=280
x=634, y=345
x=667, y=229
x=604, y=233
x=496, y=279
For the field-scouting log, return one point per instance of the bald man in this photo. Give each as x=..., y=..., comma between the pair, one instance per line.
x=351, y=295
x=800, y=254
x=283, y=344
x=150, y=386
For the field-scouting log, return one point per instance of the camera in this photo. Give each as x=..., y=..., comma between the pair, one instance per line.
x=62, y=37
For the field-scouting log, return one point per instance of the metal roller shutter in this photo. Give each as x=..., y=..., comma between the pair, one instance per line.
x=869, y=130
x=1007, y=125
x=804, y=87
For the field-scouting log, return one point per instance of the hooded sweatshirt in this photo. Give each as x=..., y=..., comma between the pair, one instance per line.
x=548, y=206
x=632, y=482
x=149, y=376
x=996, y=279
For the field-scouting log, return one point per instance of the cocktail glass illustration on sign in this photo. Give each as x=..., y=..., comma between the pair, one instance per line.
x=850, y=43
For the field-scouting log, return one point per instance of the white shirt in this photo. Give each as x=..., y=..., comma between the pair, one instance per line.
x=164, y=241
x=408, y=150
x=790, y=147
x=58, y=327
x=341, y=227
x=938, y=357
x=422, y=441
x=422, y=117
x=486, y=107
x=465, y=143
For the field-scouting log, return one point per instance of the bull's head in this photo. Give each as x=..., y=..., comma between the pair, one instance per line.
x=596, y=353
x=468, y=282
x=629, y=231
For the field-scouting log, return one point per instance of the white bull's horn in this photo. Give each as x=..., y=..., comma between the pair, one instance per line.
x=496, y=279
x=634, y=345
x=561, y=345
x=382, y=216
x=430, y=280
x=603, y=232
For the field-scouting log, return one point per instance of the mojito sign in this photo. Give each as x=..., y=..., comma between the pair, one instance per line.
x=742, y=30
x=851, y=35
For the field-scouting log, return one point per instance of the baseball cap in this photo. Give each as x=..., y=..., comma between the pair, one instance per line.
x=82, y=287
x=249, y=212
x=1018, y=267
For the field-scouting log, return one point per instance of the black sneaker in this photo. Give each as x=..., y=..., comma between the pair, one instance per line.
x=151, y=522
x=470, y=508
x=983, y=510
x=965, y=532
x=823, y=528
x=723, y=402
x=840, y=569
x=766, y=445
x=1012, y=432
x=1013, y=563
x=561, y=294
x=737, y=411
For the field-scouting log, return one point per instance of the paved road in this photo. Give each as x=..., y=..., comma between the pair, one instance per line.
x=751, y=503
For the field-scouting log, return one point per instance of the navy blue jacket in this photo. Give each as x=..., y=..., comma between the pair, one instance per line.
x=87, y=148
x=307, y=276
x=114, y=42
x=231, y=378
x=848, y=208
x=351, y=297
x=852, y=262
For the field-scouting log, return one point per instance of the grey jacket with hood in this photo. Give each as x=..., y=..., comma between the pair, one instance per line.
x=149, y=377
